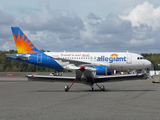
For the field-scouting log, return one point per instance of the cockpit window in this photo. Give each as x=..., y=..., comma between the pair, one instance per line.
x=140, y=58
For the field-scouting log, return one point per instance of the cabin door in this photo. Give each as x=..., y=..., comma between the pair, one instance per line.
x=129, y=58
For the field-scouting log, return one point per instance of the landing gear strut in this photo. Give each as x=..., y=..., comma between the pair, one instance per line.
x=66, y=88
x=102, y=88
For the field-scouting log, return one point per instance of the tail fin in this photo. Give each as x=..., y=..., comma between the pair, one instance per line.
x=23, y=44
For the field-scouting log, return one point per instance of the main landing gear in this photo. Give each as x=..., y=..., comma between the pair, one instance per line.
x=66, y=88
x=102, y=88
x=56, y=74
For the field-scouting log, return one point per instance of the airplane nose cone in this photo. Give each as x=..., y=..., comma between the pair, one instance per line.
x=148, y=63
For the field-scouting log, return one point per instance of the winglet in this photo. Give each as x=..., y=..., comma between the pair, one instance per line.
x=23, y=44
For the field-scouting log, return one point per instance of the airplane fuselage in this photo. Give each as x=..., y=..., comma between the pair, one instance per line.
x=113, y=60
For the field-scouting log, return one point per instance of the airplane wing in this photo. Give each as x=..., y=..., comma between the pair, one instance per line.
x=98, y=79
x=114, y=78
x=18, y=57
x=75, y=62
x=47, y=78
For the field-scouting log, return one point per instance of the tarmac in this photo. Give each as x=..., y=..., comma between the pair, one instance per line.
x=26, y=100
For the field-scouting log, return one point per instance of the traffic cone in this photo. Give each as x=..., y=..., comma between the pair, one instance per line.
x=21, y=76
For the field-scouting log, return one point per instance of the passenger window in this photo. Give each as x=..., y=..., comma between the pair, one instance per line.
x=138, y=58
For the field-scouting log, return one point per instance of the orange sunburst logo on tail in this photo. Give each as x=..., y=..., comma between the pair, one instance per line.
x=23, y=46
x=114, y=55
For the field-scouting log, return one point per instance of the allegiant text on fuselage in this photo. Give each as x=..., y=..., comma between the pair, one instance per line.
x=111, y=59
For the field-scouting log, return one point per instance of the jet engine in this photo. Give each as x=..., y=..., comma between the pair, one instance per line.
x=102, y=70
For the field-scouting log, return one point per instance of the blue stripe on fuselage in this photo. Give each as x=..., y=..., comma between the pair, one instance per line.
x=39, y=59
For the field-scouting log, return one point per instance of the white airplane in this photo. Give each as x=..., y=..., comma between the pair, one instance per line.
x=100, y=62
x=103, y=61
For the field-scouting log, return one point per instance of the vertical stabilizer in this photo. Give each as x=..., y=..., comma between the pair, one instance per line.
x=23, y=44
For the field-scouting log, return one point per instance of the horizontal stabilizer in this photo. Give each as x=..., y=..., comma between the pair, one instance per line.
x=18, y=57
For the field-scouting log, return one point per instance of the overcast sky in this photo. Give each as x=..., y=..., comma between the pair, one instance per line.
x=83, y=25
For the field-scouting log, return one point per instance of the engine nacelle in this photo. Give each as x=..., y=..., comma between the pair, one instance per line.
x=102, y=70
